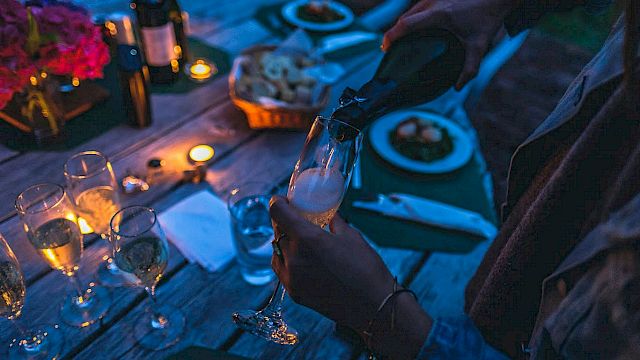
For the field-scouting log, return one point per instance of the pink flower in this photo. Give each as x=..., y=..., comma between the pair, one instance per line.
x=70, y=44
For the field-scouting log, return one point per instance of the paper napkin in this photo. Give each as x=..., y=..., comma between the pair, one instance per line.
x=199, y=226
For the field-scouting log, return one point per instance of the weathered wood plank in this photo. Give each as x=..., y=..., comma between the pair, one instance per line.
x=273, y=167
x=318, y=339
x=441, y=282
x=169, y=111
x=6, y=153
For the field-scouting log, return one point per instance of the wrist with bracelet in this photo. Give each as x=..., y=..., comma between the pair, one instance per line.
x=389, y=300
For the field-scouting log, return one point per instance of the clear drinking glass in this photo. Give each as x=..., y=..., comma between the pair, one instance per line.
x=41, y=343
x=141, y=249
x=316, y=189
x=252, y=232
x=52, y=228
x=93, y=188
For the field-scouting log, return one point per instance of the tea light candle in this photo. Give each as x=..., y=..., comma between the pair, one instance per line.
x=201, y=153
x=200, y=70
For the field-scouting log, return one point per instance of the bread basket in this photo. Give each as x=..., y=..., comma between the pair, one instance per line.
x=271, y=116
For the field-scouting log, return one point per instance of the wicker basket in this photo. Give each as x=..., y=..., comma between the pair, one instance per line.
x=261, y=116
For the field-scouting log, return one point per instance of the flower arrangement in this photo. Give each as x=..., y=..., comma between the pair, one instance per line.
x=46, y=37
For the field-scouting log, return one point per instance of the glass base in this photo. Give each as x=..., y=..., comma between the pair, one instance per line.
x=48, y=345
x=267, y=325
x=157, y=335
x=109, y=275
x=97, y=302
x=257, y=277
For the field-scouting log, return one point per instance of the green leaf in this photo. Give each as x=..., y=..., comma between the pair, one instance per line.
x=33, y=37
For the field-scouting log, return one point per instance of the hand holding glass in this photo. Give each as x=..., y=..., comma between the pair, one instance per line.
x=316, y=189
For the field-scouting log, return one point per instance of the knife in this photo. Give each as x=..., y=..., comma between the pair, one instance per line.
x=344, y=40
x=430, y=212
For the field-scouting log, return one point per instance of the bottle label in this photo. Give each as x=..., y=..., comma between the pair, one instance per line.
x=159, y=44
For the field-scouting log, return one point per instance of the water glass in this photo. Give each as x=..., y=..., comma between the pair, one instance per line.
x=252, y=232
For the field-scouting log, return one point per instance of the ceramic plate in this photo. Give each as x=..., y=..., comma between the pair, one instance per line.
x=289, y=12
x=379, y=137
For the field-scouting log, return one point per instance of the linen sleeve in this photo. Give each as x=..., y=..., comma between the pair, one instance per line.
x=527, y=13
x=457, y=338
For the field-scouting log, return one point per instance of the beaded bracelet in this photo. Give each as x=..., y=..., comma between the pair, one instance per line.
x=368, y=333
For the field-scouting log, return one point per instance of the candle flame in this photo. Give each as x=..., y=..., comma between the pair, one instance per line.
x=201, y=153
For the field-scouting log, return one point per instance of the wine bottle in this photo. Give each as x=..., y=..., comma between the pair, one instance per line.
x=176, y=15
x=133, y=73
x=158, y=39
x=416, y=69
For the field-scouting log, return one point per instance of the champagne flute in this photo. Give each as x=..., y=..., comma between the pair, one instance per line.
x=41, y=343
x=93, y=188
x=316, y=189
x=141, y=249
x=52, y=228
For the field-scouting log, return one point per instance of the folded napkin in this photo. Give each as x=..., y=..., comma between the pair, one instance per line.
x=199, y=226
x=429, y=212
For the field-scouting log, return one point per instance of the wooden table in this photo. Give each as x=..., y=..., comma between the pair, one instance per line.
x=205, y=115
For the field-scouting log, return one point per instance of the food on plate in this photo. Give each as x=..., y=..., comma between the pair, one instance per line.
x=319, y=12
x=280, y=77
x=422, y=140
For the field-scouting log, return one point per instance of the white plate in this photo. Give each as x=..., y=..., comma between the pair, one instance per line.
x=379, y=137
x=289, y=12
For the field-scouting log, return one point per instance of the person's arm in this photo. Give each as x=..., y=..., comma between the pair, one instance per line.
x=477, y=22
x=339, y=275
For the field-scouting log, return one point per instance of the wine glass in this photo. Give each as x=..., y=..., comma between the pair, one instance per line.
x=92, y=186
x=41, y=343
x=316, y=189
x=141, y=249
x=52, y=228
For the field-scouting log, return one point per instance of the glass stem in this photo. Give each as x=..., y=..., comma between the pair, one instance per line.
x=80, y=299
x=275, y=303
x=158, y=320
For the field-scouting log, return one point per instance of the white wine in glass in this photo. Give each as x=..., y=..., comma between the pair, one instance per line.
x=51, y=225
x=92, y=185
x=59, y=242
x=97, y=206
x=141, y=249
x=43, y=343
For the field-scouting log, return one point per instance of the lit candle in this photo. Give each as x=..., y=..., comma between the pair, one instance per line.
x=201, y=70
x=201, y=153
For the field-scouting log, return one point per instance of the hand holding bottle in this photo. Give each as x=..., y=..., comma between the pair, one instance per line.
x=474, y=22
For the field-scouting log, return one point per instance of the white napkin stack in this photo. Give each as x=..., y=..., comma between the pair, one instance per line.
x=199, y=226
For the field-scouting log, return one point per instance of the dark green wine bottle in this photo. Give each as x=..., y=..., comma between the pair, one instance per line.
x=158, y=39
x=416, y=69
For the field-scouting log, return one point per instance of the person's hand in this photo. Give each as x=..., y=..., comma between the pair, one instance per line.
x=337, y=274
x=474, y=22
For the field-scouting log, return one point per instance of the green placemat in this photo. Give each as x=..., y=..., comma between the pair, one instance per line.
x=197, y=49
x=463, y=188
x=110, y=113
